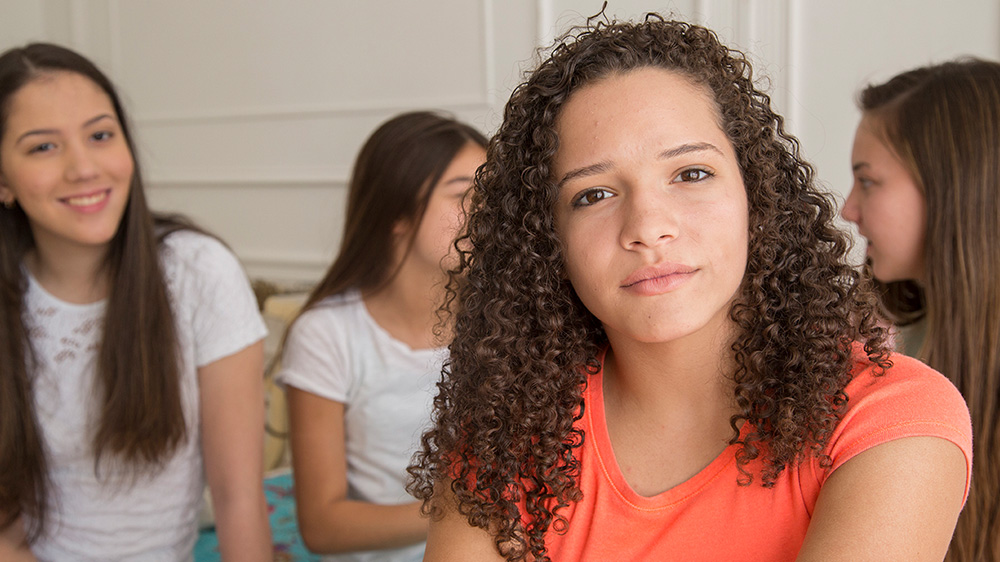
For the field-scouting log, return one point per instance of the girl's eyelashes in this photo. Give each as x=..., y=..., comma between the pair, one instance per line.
x=593, y=195
x=99, y=136
x=864, y=182
x=41, y=147
x=590, y=196
x=693, y=175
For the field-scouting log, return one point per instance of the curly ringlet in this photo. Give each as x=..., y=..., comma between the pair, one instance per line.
x=524, y=344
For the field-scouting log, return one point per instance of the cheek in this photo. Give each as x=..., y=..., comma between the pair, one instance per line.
x=581, y=261
x=894, y=214
x=34, y=181
x=124, y=166
x=456, y=219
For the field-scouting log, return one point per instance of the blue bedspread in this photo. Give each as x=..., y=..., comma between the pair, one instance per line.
x=288, y=545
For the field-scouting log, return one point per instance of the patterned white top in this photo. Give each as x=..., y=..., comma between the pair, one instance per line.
x=118, y=515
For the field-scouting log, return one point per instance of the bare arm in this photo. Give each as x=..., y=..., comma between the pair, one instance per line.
x=896, y=501
x=328, y=520
x=13, y=546
x=232, y=417
x=452, y=539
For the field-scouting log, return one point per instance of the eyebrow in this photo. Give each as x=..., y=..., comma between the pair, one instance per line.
x=88, y=123
x=459, y=179
x=858, y=166
x=686, y=148
x=600, y=167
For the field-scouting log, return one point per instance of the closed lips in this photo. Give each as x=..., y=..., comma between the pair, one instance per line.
x=655, y=272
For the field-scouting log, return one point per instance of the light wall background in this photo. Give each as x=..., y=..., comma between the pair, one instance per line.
x=249, y=114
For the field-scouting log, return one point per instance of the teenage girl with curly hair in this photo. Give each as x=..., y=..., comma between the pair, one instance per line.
x=361, y=360
x=660, y=351
x=925, y=197
x=131, y=360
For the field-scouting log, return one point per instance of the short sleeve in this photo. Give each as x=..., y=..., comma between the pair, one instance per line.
x=224, y=316
x=909, y=400
x=316, y=356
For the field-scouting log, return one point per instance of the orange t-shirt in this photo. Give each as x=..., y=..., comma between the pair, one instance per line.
x=710, y=517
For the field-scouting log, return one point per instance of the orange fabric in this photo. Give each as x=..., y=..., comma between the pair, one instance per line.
x=710, y=517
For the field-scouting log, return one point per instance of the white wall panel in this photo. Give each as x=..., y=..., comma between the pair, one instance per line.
x=283, y=231
x=760, y=28
x=237, y=57
x=842, y=46
x=21, y=22
x=248, y=116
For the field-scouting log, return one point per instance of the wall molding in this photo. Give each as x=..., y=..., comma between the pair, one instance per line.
x=281, y=259
x=545, y=13
x=481, y=100
x=794, y=70
x=222, y=182
x=307, y=111
x=488, y=23
x=280, y=267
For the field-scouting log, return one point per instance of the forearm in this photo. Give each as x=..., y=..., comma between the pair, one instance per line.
x=232, y=413
x=242, y=528
x=349, y=525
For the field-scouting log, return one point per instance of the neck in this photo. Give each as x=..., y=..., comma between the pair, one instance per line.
x=689, y=379
x=407, y=307
x=73, y=274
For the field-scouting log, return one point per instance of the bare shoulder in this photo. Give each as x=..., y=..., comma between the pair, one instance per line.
x=451, y=538
x=896, y=501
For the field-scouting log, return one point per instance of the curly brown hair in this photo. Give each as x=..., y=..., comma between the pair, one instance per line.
x=525, y=345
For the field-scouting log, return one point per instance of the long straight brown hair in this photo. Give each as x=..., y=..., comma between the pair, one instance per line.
x=943, y=122
x=392, y=179
x=140, y=418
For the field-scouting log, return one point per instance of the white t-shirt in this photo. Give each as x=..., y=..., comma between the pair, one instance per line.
x=156, y=517
x=336, y=351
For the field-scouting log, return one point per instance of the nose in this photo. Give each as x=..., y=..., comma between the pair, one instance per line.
x=80, y=163
x=851, y=211
x=649, y=220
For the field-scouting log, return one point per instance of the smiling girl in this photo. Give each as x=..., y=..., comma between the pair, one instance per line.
x=660, y=352
x=130, y=344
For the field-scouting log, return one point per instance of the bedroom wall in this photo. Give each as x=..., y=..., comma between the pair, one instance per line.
x=249, y=114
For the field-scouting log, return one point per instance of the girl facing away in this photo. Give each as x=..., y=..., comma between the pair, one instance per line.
x=130, y=344
x=361, y=360
x=660, y=352
x=925, y=197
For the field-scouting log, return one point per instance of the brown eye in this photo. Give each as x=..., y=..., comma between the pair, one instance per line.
x=693, y=175
x=590, y=197
x=42, y=147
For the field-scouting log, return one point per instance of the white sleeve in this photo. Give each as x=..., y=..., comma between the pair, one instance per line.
x=225, y=318
x=316, y=357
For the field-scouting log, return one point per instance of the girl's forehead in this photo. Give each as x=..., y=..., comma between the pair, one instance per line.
x=644, y=109
x=55, y=94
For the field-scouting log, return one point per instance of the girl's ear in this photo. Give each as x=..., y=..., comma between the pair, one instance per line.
x=401, y=228
x=6, y=195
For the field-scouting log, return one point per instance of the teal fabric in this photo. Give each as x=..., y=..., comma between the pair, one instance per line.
x=288, y=545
